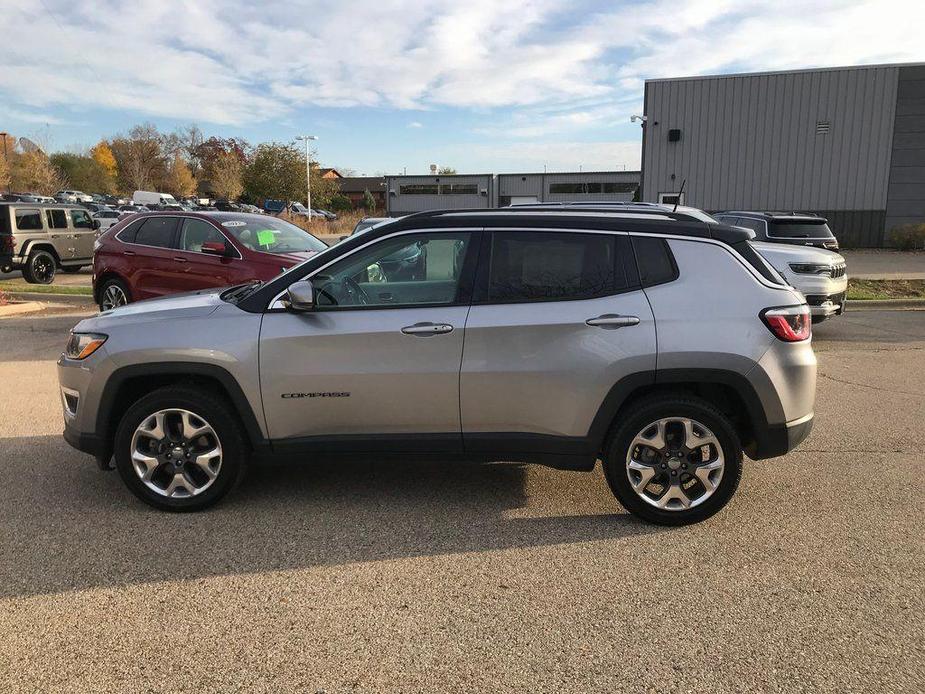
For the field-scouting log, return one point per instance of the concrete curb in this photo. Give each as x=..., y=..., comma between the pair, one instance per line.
x=886, y=304
x=76, y=299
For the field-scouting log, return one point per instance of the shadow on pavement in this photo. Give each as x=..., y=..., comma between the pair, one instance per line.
x=65, y=525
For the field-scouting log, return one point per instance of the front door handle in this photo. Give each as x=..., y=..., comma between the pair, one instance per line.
x=612, y=320
x=427, y=329
x=128, y=253
x=179, y=259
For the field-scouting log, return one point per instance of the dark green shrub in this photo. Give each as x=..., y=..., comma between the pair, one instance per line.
x=908, y=237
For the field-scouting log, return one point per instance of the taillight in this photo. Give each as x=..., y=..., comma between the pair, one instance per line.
x=790, y=324
x=7, y=243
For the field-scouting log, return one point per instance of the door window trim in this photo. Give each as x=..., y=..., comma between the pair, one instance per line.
x=464, y=290
x=174, y=240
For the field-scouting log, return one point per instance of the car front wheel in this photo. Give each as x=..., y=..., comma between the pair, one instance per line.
x=180, y=448
x=113, y=294
x=675, y=460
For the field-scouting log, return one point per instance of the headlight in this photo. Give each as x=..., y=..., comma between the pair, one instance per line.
x=82, y=345
x=811, y=268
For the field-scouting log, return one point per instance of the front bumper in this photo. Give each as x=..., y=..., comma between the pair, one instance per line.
x=822, y=306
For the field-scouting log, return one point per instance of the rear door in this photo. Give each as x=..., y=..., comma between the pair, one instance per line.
x=60, y=233
x=151, y=256
x=557, y=319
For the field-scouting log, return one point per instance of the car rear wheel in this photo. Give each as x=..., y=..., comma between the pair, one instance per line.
x=675, y=460
x=180, y=448
x=113, y=294
x=40, y=268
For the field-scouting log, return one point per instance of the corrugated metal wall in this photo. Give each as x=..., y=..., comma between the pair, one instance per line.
x=538, y=185
x=906, y=196
x=812, y=140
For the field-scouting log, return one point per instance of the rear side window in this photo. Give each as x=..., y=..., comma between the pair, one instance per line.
x=656, y=264
x=550, y=266
x=57, y=219
x=28, y=220
x=156, y=231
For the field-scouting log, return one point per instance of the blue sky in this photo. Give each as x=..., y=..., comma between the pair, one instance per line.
x=481, y=85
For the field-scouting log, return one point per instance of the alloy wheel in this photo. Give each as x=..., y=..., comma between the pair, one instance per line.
x=113, y=296
x=675, y=463
x=43, y=269
x=176, y=453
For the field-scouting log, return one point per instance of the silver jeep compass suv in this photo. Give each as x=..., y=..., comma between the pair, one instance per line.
x=651, y=340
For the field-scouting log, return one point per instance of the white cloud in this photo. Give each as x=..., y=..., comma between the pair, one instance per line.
x=562, y=67
x=415, y=124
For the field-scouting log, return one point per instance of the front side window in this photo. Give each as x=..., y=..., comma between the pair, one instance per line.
x=57, y=219
x=81, y=219
x=405, y=270
x=196, y=232
x=552, y=266
x=28, y=220
x=157, y=231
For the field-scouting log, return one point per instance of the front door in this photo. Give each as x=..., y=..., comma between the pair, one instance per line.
x=555, y=323
x=195, y=270
x=376, y=365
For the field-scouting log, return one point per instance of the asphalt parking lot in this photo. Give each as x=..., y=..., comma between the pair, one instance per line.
x=422, y=577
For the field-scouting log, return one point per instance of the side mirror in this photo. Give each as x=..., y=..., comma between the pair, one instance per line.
x=96, y=224
x=216, y=248
x=301, y=296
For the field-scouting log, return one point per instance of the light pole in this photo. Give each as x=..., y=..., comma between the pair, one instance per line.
x=308, y=172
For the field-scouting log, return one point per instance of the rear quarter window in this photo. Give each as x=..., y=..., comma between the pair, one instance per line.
x=655, y=261
x=28, y=220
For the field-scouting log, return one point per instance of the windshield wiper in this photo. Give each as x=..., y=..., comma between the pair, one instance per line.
x=241, y=290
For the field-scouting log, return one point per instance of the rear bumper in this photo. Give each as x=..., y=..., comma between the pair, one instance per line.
x=780, y=439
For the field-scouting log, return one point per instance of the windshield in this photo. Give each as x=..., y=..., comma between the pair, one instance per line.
x=800, y=229
x=270, y=235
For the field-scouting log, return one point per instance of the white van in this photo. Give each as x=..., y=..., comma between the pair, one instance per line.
x=144, y=197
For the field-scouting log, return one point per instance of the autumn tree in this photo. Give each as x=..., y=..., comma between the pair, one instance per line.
x=33, y=172
x=7, y=152
x=140, y=161
x=103, y=156
x=180, y=182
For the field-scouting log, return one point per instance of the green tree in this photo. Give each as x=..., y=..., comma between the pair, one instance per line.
x=369, y=202
x=340, y=203
x=83, y=172
x=446, y=171
x=277, y=171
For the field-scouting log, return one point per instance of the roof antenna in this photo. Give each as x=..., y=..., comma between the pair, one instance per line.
x=680, y=193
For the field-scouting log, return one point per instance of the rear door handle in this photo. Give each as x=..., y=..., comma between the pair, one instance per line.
x=128, y=252
x=612, y=320
x=180, y=260
x=427, y=329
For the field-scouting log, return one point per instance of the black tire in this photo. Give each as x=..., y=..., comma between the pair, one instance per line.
x=71, y=269
x=40, y=268
x=113, y=283
x=213, y=409
x=650, y=410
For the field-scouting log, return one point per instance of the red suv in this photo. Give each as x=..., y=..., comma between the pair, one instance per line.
x=157, y=253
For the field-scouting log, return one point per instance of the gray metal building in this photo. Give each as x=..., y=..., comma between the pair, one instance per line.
x=847, y=143
x=587, y=186
x=407, y=194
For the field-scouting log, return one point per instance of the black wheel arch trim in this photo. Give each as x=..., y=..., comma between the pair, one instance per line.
x=765, y=417
x=120, y=376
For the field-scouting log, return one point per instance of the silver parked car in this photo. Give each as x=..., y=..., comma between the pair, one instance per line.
x=660, y=344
